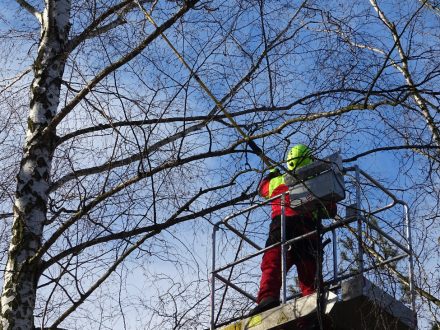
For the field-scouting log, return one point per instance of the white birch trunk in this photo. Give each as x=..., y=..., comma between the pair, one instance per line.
x=22, y=271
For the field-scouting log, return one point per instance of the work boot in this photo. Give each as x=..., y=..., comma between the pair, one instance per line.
x=264, y=305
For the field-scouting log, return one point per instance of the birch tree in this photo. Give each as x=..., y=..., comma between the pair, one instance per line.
x=33, y=180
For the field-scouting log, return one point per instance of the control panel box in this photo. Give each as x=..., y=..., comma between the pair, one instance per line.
x=317, y=183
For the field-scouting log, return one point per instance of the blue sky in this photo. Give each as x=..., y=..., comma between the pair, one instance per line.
x=298, y=73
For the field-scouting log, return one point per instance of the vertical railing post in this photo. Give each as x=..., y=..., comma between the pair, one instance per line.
x=359, y=222
x=214, y=232
x=335, y=255
x=283, y=249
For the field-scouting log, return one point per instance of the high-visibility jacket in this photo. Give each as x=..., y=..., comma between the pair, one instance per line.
x=273, y=185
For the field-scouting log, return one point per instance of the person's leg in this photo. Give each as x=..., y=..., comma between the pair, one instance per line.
x=306, y=258
x=308, y=263
x=306, y=267
x=307, y=275
x=270, y=283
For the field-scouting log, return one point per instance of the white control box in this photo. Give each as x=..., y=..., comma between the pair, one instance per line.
x=317, y=183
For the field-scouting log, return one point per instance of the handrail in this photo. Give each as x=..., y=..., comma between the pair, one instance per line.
x=361, y=218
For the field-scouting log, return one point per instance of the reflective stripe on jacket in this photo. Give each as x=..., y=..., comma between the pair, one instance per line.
x=274, y=186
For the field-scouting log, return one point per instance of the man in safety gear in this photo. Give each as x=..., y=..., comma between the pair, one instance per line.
x=303, y=253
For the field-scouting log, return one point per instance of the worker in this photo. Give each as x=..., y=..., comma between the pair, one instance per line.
x=303, y=253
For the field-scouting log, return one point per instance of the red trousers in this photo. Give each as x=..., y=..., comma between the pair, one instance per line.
x=303, y=254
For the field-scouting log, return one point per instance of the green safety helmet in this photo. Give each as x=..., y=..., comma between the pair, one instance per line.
x=299, y=156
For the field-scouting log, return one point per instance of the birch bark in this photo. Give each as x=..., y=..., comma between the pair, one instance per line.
x=22, y=270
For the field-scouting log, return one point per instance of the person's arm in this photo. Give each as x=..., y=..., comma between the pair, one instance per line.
x=263, y=188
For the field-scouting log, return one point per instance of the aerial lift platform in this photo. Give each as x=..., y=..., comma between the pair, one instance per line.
x=347, y=301
x=361, y=305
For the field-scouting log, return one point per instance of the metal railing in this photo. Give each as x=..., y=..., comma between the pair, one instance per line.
x=359, y=216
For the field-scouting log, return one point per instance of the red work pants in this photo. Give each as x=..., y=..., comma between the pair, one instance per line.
x=303, y=254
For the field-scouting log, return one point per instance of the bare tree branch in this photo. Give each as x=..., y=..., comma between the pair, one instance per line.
x=406, y=73
x=15, y=80
x=404, y=147
x=31, y=9
x=117, y=64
